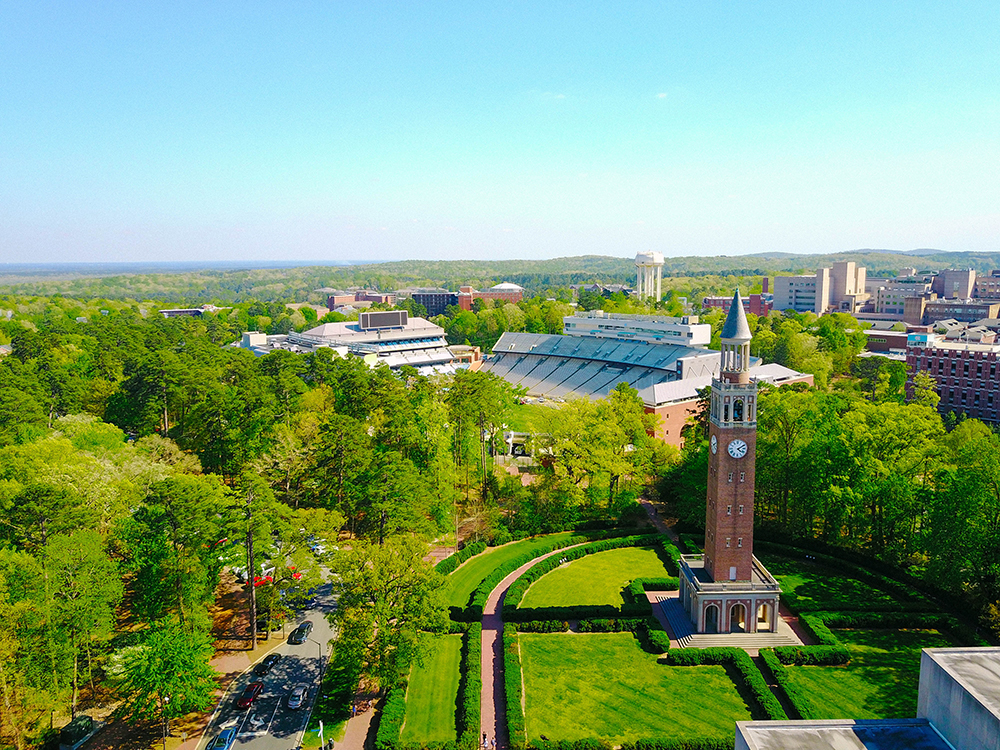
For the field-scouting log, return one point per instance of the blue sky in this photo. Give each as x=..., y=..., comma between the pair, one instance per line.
x=362, y=130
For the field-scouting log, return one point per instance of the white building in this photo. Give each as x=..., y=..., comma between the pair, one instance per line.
x=656, y=329
x=840, y=287
x=390, y=337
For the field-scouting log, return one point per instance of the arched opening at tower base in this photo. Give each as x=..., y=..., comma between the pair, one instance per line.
x=738, y=619
x=711, y=619
x=763, y=618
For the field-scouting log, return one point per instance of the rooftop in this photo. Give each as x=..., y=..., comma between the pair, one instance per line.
x=761, y=578
x=977, y=669
x=841, y=734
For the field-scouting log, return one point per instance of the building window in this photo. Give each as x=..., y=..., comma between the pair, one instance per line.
x=993, y=370
x=730, y=477
x=979, y=368
x=729, y=510
x=743, y=475
x=739, y=542
x=727, y=541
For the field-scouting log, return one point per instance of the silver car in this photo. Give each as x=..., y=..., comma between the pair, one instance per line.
x=297, y=696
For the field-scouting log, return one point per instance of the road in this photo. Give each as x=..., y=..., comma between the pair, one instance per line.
x=269, y=724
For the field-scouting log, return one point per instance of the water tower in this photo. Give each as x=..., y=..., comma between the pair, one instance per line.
x=649, y=275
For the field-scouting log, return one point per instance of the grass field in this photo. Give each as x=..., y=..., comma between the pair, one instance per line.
x=466, y=578
x=433, y=691
x=595, y=579
x=815, y=587
x=879, y=683
x=604, y=685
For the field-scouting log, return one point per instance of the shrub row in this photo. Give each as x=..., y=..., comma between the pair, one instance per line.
x=470, y=688
x=620, y=625
x=813, y=655
x=475, y=610
x=781, y=677
x=700, y=743
x=930, y=620
x=585, y=744
x=638, y=588
x=518, y=589
x=391, y=719
x=659, y=640
x=582, y=612
x=449, y=564
x=512, y=688
x=543, y=626
x=751, y=678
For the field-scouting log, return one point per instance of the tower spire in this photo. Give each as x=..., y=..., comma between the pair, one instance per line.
x=736, y=327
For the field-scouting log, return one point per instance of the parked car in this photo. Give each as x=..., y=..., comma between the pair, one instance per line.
x=301, y=633
x=265, y=665
x=224, y=741
x=250, y=693
x=297, y=696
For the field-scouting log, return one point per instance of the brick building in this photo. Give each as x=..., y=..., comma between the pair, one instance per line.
x=502, y=294
x=963, y=363
x=757, y=304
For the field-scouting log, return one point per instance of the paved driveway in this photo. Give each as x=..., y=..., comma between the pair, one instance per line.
x=269, y=724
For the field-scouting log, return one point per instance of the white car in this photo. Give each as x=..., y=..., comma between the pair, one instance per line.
x=297, y=696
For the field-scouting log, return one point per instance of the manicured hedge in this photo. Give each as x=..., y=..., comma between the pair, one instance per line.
x=620, y=625
x=638, y=588
x=518, y=589
x=659, y=641
x=594, y=612
x=819, y=624
x=813, y=655
x=543, y=626
x=585, y=744
x=470, y=688
x=704, y=743
x=449, y=564
x=391, y=719
x=792, y=692
x=486, y=586
x=512, y=688
x=750, y=676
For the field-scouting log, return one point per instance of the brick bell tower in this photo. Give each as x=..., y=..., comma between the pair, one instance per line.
x=727, y=590
x=733, y=449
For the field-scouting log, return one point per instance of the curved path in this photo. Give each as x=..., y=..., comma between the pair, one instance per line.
x=494, y=700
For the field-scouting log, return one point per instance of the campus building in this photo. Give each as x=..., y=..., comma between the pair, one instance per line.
x=958, y=708
x=727, y=589
x=963, y=363
x=758, y=304
x=839, y=288
x=391, y=338
x=650, y=328
x=665, y=359
x=501, y=294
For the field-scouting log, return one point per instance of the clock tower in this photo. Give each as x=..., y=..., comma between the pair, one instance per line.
x=727, y=589
x=732, y=439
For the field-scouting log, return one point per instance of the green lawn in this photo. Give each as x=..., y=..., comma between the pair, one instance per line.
x=467, y=577
x=433, y=691
x=809, y=587
x=603, y=685
x=879, y=683
x=595, y=579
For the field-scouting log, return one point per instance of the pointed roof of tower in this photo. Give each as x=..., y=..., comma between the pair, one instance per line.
x=736, y=326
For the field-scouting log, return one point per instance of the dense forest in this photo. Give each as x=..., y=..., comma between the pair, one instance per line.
x=141, y=458
x=139, y=455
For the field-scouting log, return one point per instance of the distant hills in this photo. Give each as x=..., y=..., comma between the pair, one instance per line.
x=201, y=282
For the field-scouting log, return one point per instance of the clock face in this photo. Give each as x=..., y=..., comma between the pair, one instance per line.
x=737, y=449
x=715, y=444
